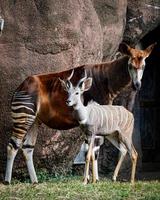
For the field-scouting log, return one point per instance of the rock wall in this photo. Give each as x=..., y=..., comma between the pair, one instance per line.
x=49, y=35
x=142, y=17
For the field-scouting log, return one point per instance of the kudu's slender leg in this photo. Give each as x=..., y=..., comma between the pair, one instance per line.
x=123, y=152
x=114, y=139
x=134, y=156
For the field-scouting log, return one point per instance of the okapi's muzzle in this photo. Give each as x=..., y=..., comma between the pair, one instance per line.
x=136, y=86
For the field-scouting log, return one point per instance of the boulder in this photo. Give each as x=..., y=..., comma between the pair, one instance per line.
x=112, y=15
x=142, y=17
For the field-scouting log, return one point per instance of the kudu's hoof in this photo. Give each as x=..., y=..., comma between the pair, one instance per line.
x=85, y=182
x=95, y=181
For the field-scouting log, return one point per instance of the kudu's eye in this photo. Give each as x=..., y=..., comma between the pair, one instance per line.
x=77, y=93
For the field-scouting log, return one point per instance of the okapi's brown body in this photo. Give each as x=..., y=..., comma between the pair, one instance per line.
x=42, y=97
x=108, y=80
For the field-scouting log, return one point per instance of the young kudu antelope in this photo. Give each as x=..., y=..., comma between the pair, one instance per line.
x=113, y=122
x=41, y=98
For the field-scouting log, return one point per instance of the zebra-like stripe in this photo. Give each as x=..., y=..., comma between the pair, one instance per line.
x=22, y=106
x=23, y=112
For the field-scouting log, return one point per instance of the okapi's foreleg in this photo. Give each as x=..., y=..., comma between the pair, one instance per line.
x=23, y=116
x=99, y=140
x=131, y=100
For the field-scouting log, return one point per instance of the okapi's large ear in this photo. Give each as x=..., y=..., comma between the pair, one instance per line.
x=86, y=85
x=149, y=49
x=124, y=48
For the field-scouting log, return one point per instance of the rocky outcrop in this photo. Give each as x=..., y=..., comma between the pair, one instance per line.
x=142, y=17
x=112, y=15
x=50, y=35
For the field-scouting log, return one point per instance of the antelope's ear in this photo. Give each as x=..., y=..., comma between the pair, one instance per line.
x=124, y=48
x=65, y=84
x=149, y=49
x=86, y=85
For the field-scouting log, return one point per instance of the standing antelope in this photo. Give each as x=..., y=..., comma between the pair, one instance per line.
x=113, y=122
x=41, y=98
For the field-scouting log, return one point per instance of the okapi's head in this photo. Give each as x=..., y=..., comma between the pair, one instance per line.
x=136, y=62
x=75, y=92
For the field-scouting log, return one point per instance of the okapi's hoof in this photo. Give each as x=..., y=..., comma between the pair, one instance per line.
x=114, y=179
x=132, y=183
x=6, y=183
x=35, y=183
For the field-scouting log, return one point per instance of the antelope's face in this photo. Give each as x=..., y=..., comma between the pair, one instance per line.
x=75, y=92
x=136, y=62
x=74, y=95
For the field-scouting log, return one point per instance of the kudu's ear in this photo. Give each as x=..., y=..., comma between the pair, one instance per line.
x=86, y=85
x=65, y=84
x=124, y=48
x=149, y=49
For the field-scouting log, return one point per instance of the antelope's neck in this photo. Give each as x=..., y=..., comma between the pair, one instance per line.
x=81, y=113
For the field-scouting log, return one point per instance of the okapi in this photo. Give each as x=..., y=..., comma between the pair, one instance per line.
x=113, y=122
x=41, y=97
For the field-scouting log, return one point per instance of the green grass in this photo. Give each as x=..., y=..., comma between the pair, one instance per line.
x=71, y=188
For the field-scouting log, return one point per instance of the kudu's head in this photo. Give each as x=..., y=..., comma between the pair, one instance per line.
x=136, y=62
x=75, y=92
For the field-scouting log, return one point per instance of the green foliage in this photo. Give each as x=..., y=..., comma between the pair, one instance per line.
x=72, y=188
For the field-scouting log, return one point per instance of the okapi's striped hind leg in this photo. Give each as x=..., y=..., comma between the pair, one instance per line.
x=28, y=148
x=23, y=115
x=12, y=150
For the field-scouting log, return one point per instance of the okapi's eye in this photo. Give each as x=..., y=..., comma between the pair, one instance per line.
x=143, y=66
x=77, y=93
